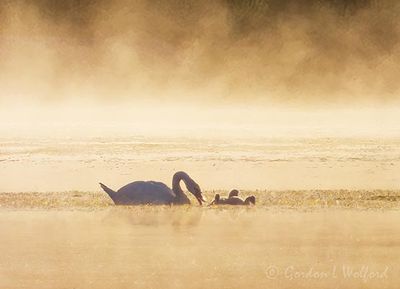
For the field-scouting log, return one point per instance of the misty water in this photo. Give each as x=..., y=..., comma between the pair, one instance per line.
x=79, y=163
x=183, y=247
x=60, y=231
x=295, y=102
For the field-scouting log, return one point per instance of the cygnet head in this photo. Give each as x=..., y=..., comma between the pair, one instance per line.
x=233, y=193
x=250, y=200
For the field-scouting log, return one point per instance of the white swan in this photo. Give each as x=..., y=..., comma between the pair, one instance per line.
x=156, y=193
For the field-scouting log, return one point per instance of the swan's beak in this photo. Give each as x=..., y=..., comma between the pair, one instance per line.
x=201, y=199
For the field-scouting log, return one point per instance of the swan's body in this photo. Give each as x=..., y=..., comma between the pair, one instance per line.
x=155, y=193
x=233, y=199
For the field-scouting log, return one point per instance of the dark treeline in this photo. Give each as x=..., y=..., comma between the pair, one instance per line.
x=78, y=10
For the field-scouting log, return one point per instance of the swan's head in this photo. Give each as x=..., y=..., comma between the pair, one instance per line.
x=194, y=188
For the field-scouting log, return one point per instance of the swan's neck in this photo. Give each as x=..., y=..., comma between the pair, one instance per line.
x=176, y=187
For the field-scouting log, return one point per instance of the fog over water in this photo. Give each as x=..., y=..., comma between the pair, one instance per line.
x=200, y=74
x=291, y=52
x=295, y=102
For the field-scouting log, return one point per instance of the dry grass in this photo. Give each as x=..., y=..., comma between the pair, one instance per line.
x=315, y=199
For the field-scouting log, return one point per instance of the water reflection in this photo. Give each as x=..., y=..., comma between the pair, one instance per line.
x=182, y=216
x=190, y=247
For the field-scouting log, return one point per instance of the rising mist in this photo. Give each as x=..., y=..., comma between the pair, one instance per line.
x=231, y=51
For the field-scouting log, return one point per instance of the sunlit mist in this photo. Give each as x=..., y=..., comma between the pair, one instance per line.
x=125, y=125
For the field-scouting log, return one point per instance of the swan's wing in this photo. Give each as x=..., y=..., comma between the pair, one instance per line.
x=142, y=192
x=160, y=188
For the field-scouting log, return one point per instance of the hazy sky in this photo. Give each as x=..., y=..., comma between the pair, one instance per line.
x=278, y=51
